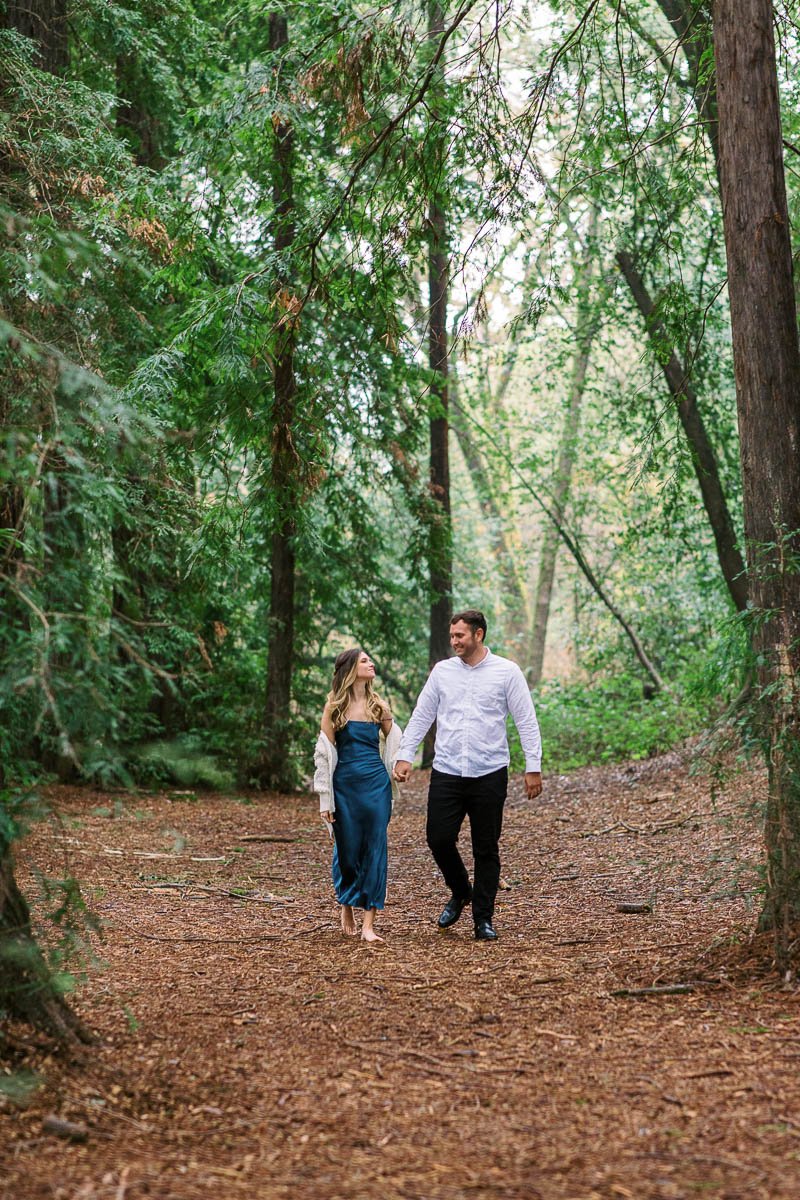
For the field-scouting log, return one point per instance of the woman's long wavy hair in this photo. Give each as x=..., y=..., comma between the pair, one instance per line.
x=341, y=694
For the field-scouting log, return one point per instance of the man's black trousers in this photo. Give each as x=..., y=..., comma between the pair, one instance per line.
x=450, y=799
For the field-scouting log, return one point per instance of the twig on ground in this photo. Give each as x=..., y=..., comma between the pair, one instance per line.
x=267, y=837
x=671, y=989
x=211, y=891
x=645, y=831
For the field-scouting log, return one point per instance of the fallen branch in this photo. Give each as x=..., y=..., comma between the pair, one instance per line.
x=646, y=831
x=671, y=989
x=228, y=941
x=211, y=891
x=161, y=854
x=68, y=1130
x=267, y=837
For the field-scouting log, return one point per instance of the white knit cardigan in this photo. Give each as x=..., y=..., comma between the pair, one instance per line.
x=326, y=758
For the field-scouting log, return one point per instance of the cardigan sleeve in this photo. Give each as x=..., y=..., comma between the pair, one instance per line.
x=323, y=773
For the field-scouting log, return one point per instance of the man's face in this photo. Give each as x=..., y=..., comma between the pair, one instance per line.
x=463, y=640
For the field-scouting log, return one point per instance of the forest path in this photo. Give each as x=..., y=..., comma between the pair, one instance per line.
x=250, y=1050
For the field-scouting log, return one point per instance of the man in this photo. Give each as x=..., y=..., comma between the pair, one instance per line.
x=469, y=696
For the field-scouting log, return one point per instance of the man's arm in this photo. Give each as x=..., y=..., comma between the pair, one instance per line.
x=521, y=708
x=421, y=719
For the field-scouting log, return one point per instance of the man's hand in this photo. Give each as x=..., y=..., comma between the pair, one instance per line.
x=533, y=784
x=402, y=770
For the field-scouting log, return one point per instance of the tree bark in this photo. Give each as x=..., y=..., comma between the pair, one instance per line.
x=703, y=456
x=44, y=22
x=440, y=553
x=766, y=355
x=274, y=771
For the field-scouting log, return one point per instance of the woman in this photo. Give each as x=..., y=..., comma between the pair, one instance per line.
x=354, y=756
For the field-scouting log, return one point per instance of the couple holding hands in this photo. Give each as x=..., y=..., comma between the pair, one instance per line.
x=361, y=756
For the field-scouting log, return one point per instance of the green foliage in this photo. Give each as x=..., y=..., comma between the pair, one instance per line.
x=609, y=720
x=184, y=761
x=138, y=335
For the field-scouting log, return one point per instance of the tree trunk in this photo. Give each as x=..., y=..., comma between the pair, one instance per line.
x=27, y=991
x=275, y=771
x=584, y=334
x=61, y=543
x=515, y=593
x=135, y=122
x=766, y=355
x=703, y=456
x=44, y=22
x=560, y=492
x=440, y=553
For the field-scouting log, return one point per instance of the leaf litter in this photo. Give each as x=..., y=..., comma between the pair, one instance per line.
x=626, y=1036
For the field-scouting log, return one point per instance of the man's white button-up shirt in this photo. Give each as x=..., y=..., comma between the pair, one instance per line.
x=470, y=706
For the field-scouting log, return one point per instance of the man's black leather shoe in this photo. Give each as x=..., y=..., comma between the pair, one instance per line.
x=485, y=931
x=452, y=911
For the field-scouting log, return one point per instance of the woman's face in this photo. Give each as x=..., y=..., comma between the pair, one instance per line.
x=366, y=667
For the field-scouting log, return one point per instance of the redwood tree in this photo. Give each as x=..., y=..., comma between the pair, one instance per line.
x=766, y=353
x=440, y=541
x=274, y=769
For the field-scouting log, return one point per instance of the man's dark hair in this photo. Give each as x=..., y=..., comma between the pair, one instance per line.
x=476, y=620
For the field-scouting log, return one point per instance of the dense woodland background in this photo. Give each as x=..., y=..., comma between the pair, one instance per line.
x=319, y=322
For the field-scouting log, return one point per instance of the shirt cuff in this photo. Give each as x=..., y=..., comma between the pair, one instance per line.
x=533, y=764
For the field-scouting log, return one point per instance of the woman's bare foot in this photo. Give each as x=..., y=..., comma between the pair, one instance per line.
x=368, y=933
x=348, y=921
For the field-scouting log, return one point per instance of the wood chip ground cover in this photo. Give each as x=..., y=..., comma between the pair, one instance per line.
x=248, y=1049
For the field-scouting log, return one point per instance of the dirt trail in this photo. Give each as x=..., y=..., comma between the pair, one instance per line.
x=250, y=1050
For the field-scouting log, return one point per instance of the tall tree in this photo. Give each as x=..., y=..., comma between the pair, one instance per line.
x=280, y=655
x=702, y=451
x=440, y=551
x=584, y=334
x=766, y=353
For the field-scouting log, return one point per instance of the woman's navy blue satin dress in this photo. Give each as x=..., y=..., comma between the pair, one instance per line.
x=362, y=792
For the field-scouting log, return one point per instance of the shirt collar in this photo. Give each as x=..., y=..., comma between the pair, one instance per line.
x=485, y=659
